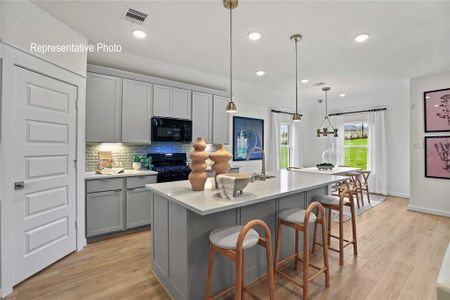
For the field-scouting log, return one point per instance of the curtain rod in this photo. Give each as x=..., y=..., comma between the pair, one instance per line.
x=357, y=112
x=282, y=112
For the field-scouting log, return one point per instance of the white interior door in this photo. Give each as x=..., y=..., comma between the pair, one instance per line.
x=45, y=153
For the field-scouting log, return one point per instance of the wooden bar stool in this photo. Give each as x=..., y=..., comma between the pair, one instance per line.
x=231, y=242
x=299, y=220
x=338, y=203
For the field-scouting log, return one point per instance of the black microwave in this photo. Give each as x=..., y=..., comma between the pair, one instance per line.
x=171, y=130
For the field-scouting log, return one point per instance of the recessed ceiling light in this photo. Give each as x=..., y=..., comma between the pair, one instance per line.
x=342, y=95
x=361, y=37
x=304, y=80
x=260, y=73
x=254, y=36
x=139, y=34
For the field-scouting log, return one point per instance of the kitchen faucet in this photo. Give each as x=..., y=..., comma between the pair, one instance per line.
x=262, y=176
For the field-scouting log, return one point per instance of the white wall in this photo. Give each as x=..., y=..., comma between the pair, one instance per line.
x=427, y=194
x=23, y=22
x=396, y=99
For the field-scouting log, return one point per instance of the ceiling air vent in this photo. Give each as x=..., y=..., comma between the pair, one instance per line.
x=134, y=16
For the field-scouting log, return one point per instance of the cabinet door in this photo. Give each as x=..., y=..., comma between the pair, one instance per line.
x=103, y=108
x=139, y=207
x=202, y=116
x=162, y=101
x=181, y=104
x=221, y=123
x=136, y=111
x=104, y=212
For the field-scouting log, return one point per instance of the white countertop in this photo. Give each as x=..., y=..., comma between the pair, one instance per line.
x=334, y=171
x=209, y=201
x=232, y=167
x=126, y=173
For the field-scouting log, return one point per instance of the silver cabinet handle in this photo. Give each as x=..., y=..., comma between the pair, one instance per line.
x=18, y=185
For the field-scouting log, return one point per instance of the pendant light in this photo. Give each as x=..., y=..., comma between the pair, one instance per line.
x=296, y=117
x=230, y=5
x=324, y=131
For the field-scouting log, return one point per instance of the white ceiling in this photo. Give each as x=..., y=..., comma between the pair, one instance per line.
x=408, y=39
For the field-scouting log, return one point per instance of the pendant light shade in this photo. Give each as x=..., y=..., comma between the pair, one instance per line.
x=324, y=131
x=296, y=117
x=230, y=5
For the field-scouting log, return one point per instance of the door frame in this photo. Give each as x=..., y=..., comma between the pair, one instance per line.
x=11, y=56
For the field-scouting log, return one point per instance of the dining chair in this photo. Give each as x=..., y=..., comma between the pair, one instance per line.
x=353, y=185
x=364, y=187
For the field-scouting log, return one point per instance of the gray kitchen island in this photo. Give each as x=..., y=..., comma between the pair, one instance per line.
x=183, y=219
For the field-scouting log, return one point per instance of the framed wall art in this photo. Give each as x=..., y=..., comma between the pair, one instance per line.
x=437, y=157
x=247, y=134
x=437, y=110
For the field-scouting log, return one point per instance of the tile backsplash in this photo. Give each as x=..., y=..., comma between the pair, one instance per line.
x=123, y=153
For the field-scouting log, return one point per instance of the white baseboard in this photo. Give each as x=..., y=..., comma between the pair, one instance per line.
x=429, y=210
x=394, y=194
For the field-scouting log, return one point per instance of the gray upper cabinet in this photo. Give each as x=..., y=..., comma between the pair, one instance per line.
x=136, y=111
x=103, y=108
x=221, y=121
x=162, y=101
x=202, y=116
x=181, y=104
x=171, y=102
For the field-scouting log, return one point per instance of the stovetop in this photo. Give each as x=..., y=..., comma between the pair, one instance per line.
x=173, y=169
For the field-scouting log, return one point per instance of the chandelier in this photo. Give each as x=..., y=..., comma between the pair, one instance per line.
x=324, y=131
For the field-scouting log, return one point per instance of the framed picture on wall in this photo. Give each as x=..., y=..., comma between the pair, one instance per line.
x=248, y=133
x=437, y=110
x=437, y=157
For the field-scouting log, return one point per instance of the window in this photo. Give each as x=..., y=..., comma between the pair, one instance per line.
x=284, y=146
x=356, y=143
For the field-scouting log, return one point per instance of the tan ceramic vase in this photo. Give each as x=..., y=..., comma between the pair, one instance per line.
x=220, y=159
x=198, y=157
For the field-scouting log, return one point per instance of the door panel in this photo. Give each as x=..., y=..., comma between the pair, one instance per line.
x=136, y=111
x=104, y=212
x=221, y=123
x=103, y=108
x=45, y=144
x=139, y=204
x=202, y=116
x=162, y=101
x=181, y=104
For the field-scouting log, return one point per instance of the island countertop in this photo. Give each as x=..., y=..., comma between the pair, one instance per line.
x=209, y=201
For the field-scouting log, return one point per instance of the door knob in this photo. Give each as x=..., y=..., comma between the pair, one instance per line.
x=18, y=185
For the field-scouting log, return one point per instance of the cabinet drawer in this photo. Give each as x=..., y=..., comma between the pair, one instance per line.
x=140, y=181
x=101, y=185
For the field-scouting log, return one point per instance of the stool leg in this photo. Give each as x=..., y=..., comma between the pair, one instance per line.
x=238, y=280
x=341, y=235
x=305, y=261
x=329, y=225
x=243, y=277
x=277, y=249
x=297, y=250
x=325, y=255
x=315, y=234
x=368, y=195
x=355, y=243
x=357, y=199
x=270, y=275
x=210, y=272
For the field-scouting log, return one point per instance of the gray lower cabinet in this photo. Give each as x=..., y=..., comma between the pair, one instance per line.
x=139, y=205
x=117, y=204
x=104, y=212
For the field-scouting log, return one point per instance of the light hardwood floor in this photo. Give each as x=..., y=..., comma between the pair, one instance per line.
x=400, y=253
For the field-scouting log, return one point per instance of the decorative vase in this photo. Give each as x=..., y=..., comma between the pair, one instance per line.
x=137, y=166
x=198, y=157
x=330, y=155
x=220, y=159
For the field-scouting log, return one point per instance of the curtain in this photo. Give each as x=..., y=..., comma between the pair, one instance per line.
x=274, y=161
x=338, y=143
x=377, y=153
x=295, y=144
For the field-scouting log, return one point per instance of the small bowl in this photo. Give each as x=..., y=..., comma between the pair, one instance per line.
x=241, y=181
